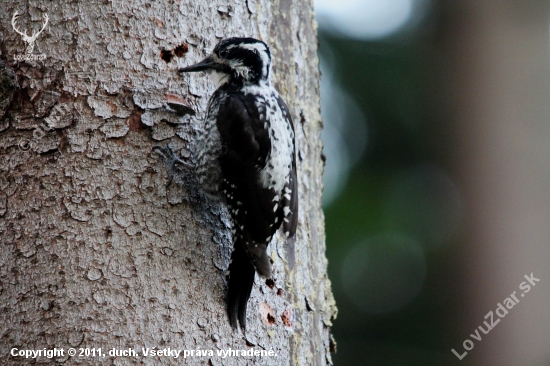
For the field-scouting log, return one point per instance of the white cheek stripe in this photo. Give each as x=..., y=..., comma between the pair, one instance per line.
x=262, y=51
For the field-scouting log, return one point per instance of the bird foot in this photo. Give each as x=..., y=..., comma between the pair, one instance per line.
x=170, y=159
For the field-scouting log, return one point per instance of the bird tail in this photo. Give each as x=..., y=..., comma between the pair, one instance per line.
x=241, y=279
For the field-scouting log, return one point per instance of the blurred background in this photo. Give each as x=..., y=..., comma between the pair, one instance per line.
x=437, y=181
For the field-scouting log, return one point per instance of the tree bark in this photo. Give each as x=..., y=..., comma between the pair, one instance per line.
x=95, y=251
x=495, y=78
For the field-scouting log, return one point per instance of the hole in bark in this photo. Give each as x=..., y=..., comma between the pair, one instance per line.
x=267, y=314
x=270, y=283
x=181, y=50
x=280, y=292
x=166, y=55
x=286, y=317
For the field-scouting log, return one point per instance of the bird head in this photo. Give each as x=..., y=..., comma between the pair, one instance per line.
x=236, y=60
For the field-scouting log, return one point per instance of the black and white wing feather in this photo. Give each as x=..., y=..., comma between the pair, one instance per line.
x=257, y=210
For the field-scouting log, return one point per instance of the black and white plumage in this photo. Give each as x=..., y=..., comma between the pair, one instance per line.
x=246, y=151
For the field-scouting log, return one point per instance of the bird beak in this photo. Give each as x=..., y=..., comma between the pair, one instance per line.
x=205, y=64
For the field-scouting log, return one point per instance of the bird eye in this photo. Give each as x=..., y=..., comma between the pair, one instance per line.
x=224, y=52
x=255, y=51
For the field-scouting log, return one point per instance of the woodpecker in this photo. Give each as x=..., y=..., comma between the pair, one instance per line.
x=246, y=151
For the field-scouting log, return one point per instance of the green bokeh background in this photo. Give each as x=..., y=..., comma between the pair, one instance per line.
x=390, y=81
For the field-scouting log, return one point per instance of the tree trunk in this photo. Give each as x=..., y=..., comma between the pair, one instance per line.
x=95, y=251
x=496, y=88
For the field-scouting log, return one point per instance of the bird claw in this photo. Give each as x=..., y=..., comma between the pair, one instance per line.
x=170, y=159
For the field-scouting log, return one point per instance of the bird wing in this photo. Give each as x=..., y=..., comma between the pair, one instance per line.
x=246, y=145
